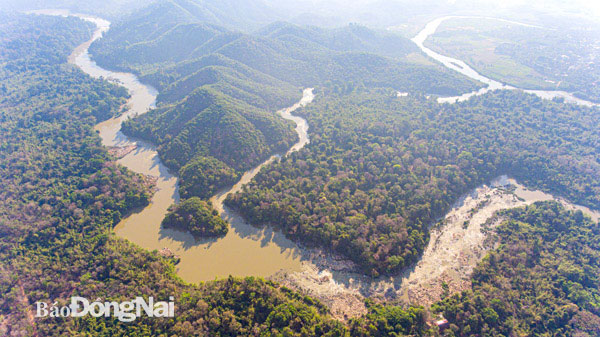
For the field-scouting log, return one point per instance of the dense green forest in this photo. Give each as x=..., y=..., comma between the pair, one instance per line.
x=62, y=193
x=380, y=169
x=541, y=281
x=219, y=89
x=202, y=177
x=211, y=127
x=195, y=216
x=170, y=36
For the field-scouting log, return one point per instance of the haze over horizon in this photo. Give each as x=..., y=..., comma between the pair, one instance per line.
x=376, y=13
x=360, y=168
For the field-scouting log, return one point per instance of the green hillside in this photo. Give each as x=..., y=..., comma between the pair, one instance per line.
x=542, y=280
x=380, y=169
x=210, y=123
x=194, y=215
x=351, y=38
x=219, y=89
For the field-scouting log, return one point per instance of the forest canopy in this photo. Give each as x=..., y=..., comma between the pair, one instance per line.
x=542, y=279
x=62, y=193
x=219, y=89
x=195, y=216
x=380, y=169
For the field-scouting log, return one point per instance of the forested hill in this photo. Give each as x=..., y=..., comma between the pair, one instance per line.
x=351, y=38
x=219, y=88
x=380, y=169
x=62, y=193
x=166, y=34
x=234, y=14
x=541, y=281
x=209, y=123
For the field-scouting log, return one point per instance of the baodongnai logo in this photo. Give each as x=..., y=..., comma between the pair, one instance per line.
x=124, y=311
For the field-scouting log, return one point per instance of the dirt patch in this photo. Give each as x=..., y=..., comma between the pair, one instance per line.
x=121, y=151
x=455, y=247
x=150, y=182
x=343, y=301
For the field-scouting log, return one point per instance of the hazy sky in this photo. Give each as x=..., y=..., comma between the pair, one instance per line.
x=585, y=6
x=377, y=13
x=582, y=6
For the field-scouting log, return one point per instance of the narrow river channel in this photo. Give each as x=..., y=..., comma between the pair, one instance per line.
x=245, y=250
x=465, y=69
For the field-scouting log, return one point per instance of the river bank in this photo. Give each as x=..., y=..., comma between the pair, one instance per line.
x=463, y=68
x=246, y=250
x=456, y=245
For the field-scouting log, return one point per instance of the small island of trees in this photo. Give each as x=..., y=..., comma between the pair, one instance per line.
x=197, y=217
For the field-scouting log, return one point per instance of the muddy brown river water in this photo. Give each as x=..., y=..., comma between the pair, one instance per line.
x=245, y=250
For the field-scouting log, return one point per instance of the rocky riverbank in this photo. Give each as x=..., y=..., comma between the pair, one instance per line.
x=456, y=245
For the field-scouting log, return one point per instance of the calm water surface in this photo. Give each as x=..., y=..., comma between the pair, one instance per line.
x=245, y=250
x=465, y=69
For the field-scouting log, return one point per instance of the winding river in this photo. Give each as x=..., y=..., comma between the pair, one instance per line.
x=245, y=250
x=465, y=69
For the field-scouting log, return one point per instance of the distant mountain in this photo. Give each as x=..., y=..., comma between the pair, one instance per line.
x=240, y=14
x=219, y=87
x=166, y=46
x=234, y=14
x=351, y=38
x=166, y=34
x=109, y=9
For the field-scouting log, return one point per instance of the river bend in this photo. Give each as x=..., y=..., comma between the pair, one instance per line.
x=246, y=250
x=465, y=69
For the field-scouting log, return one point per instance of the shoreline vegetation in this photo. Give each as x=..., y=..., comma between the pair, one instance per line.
x=458, y=243
x=195, y=216
x=378, y=169
x=525, y=56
